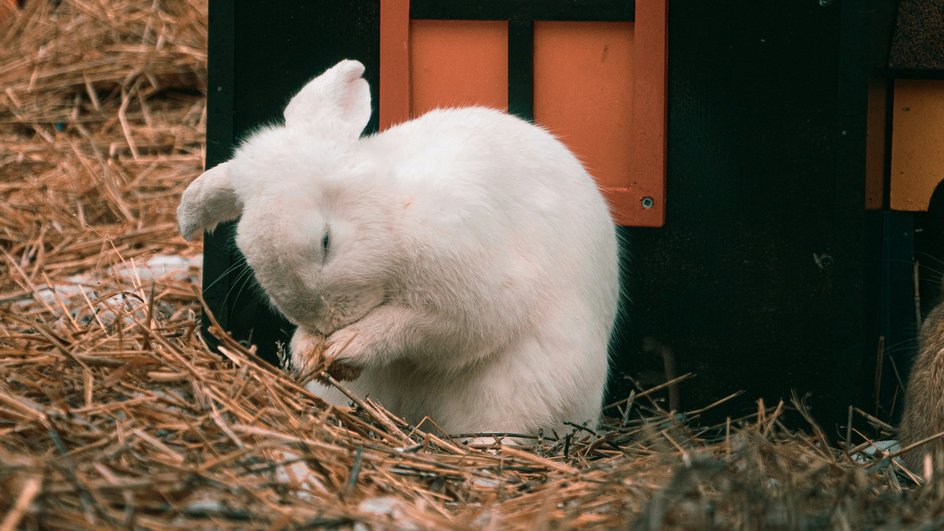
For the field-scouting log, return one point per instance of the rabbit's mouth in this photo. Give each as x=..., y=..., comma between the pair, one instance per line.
x=328, y=327
x=337, y=313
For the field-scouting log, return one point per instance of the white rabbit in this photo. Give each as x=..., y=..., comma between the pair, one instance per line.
x=464, y=261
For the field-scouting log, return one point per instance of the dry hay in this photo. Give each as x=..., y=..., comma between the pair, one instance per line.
x=113, y=413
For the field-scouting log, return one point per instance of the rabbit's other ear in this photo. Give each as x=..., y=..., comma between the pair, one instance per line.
x=209, y=200
x=337, y=101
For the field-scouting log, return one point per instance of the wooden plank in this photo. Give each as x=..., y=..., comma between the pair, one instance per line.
x=394, y=62
x=917, y=143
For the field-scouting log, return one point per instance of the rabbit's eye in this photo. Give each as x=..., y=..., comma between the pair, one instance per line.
x=325, y=243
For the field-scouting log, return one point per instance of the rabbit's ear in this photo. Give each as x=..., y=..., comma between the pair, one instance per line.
x=336, y=101
x=209, y=200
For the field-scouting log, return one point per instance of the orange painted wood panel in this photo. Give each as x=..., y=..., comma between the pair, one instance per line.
x=458, y=63
x=599, y=85
x=583, y=75
x=647, y=181
x=917, y=143
x=394, y=87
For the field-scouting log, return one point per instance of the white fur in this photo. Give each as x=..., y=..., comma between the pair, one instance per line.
x=472, y=265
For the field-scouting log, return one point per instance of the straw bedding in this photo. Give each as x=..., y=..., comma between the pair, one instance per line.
x=113, y=413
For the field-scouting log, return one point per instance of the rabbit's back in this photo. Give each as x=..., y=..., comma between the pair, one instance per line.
x=505, y=231
x=506, y=200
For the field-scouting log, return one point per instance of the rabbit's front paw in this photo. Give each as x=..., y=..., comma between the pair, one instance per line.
x=307, y=349
x=311, y=353
x=342, y=350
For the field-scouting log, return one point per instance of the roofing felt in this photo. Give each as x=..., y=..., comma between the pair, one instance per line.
x=918, y=42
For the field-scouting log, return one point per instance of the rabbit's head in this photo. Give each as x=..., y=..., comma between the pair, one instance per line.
x=313, y=224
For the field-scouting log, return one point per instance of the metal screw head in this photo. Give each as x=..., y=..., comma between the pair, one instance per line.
x=823, y=261
x=648, y=202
